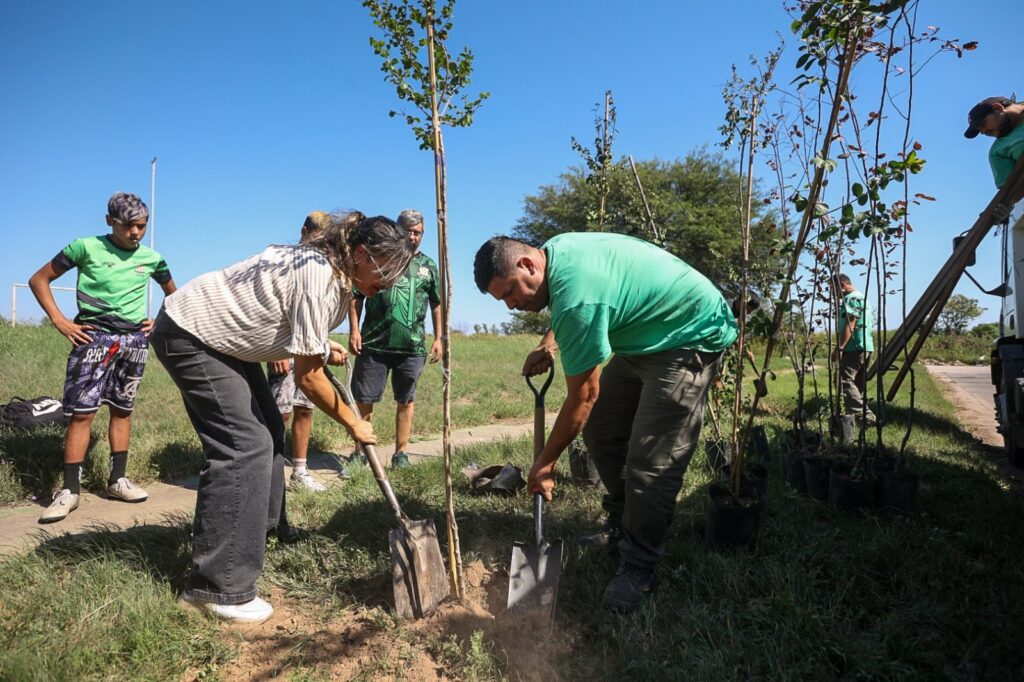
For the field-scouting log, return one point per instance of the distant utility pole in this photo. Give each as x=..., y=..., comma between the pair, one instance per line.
x=152, y=233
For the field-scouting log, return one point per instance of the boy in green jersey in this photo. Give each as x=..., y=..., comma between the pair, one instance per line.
x=661, y=327
x=108, y=341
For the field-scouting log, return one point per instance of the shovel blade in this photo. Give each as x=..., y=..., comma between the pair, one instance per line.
x=533, y=576
x=417, y=570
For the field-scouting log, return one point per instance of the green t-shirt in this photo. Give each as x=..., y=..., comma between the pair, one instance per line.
x=393, y=321
x=111, y=281
x=857, y=307
x=1004, y=152
x=609, y=293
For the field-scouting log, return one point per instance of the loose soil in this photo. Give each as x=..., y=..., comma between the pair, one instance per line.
x=355, y=645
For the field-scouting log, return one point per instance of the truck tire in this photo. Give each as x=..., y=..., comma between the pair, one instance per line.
x=1013, y=431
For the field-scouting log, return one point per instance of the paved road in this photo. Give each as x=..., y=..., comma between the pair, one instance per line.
x=970, y=388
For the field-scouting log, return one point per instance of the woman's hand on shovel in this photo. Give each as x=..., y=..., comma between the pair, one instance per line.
x=542, y=479
x=362, y=432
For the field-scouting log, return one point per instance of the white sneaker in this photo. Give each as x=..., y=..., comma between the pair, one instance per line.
x=303, y=480
x=124, y=489
x=64, y=502
x=251, y=612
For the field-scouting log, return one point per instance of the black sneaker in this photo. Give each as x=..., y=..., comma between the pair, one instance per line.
x=607, y=538
x=286, y=534
x=630, y=586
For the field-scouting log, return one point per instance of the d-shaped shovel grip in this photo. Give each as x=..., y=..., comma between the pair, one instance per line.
x=538, y=393
x=538, y=411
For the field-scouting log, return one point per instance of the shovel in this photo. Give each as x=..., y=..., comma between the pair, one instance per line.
x=417, y=570
x=533, y=575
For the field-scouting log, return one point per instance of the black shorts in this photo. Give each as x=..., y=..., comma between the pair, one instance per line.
x=371, y=373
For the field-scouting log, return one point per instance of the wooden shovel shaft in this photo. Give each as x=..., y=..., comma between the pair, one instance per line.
x=371, y=454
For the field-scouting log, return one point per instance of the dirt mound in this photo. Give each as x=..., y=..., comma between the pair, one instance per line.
x=369, y=644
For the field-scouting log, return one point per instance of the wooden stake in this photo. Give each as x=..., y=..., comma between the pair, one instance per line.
x=647, y=208
x=455, y=572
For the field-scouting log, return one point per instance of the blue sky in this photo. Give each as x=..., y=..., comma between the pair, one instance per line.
x=260, y=112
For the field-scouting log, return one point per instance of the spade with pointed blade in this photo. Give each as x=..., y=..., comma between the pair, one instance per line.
x=533, y=574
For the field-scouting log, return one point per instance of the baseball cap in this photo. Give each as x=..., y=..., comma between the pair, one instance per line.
x=979, y=111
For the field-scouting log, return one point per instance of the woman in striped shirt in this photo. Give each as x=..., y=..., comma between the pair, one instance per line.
x=212, y=335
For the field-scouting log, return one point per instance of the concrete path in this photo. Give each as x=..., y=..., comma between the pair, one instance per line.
x=20, y=529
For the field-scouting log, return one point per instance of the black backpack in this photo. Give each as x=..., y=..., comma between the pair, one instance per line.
x=32, y=414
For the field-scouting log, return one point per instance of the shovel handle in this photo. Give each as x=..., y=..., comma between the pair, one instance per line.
x=368, y=450
x=538, y=393
x=538, y=411
x=538, y=516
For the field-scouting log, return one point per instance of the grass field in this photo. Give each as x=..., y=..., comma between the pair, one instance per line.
x=825, y=595
x=164, y=445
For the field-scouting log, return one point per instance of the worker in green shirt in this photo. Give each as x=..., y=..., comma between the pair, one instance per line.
x=854, y=346
x=999, y=117
x=661, y=327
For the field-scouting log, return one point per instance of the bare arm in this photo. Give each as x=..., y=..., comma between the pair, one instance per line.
x=310, y=377
x=355, y=339
x=541, y=357
x=39, y=283
x=436, y=348
x=583, y=390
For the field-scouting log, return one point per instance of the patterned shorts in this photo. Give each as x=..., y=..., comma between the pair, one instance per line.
x=107, y=370
x=286, y=393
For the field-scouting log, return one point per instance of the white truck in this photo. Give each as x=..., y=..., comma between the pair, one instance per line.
x=1007, y=360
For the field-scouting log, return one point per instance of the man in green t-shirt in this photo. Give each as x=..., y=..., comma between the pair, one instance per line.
x=392, y=338
x=854, y=347
x=108, y=341
x=1001, y=118
x=662, y=327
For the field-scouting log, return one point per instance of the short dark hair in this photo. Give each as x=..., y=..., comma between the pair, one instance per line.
x=496, y=258
x=842, y=279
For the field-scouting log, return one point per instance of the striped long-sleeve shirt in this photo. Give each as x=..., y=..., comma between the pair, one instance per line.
x=271, y=306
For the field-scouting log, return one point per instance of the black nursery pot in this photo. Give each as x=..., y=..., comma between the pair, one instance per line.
x=849, y=493
x=896, y=490
x=731, y=521
x=719, y=453
x=817, y=471
x=582, y=467
x=791, y=468
x=756, y=477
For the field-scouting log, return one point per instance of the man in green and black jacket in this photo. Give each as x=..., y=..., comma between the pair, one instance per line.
x=392, y=338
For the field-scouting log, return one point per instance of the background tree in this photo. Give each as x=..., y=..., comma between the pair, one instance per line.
x=959, y=311
x=693, y=201
x=986, y=330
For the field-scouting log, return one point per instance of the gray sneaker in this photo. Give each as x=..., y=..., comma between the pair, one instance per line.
x=303, y=480
x=124, y=489
x=64, y=502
